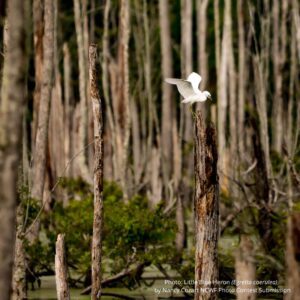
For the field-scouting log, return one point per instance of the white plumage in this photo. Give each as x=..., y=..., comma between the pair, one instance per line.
x=189, y=88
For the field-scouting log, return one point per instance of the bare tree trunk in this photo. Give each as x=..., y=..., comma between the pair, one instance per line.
x=85, y=27
x=232, y=78
x=241, y=78
x=83, y=129
x=222, y=91
x=245, y=268
x=44, y=110
x=296, y=23
x=136, y=143
x=186, y=65
x=98, y=174
x=292, y=254
x=206, y=205
x=217, y=36
x=277, y=113
x=167, y=114
x=19, y=273
x=107, y=98
x=68, y=109
x=92, y=22
x=154, y=167
x=11, y=120
x=56, y=136
x=61, y=271
x=177, y=162
x=201, y=39
x=260, y=89
x=123, y=103
x=38, y=28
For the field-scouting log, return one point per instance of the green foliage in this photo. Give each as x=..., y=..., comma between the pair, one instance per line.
x=133, y=227
x=132, y=232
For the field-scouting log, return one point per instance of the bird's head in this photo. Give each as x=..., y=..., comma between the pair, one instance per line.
x=207, y=94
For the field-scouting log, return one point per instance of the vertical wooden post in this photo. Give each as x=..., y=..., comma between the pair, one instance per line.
x=98, y=174
x=206, y=205
x=61, y=274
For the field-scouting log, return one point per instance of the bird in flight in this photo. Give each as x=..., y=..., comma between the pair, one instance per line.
x=189, y=88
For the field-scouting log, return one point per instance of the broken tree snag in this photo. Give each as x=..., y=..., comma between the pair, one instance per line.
x=61, y=272
x=206, y=205
x=98, y=173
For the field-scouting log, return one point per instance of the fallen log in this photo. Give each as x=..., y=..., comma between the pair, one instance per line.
x=117, y=277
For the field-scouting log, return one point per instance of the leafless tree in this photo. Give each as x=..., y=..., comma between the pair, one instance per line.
x=98, y=174
x=82, y=63
x=11, y=120
x=206, y=208
x=61, y=269
x=39, y=167
x=167, y=113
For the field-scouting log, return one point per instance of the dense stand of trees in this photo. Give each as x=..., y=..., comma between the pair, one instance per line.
x=248, y=54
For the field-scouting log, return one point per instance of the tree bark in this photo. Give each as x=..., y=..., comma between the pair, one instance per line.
x=277, y=110
x=68, y=108
x=241, y=77
x=206, y=209
x=39, y=167
x=19, y=270
x=98, y=174
x=186, y=41
x=82, y=64
x=38, y=32
x=232, y=79
x=223, y=93
x=245, y=268
x=167, y=114
x=292, y=256
x=61, y=271
x=11, y=120
x=201, y=41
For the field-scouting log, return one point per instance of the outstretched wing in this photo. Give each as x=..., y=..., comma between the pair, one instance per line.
x=195, y=80
x=184, y=87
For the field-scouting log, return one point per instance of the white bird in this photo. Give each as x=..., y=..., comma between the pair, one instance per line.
x=189, y=88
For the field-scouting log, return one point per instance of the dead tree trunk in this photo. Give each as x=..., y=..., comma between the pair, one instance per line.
x=292, y=256
x=222, y=88
x=61, y=272
x=167, y=115
x=245, y=268
x=19, y=274
x=277, y=102
x=38, y=32
x=201, y=40
x=83, y=129
x=186, y=42
x=68, y=109
x=98, y=174
x=44, y=108
x=206, y=206
x=241, y=77
x=11, y=120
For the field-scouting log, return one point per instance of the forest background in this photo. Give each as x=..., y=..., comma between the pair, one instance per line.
x=248, y=54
